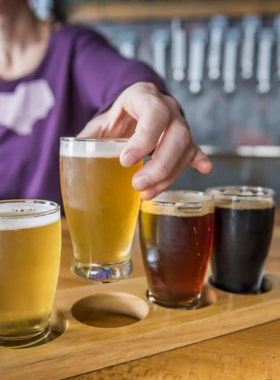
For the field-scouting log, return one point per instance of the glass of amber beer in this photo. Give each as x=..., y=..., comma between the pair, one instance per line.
x=101, y=207
x=176, y=235
x=30, y=245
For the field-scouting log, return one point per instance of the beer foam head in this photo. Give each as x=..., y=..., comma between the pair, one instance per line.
x=88, y=148
x=243, y=197
x=17, y=215
x=180, y=203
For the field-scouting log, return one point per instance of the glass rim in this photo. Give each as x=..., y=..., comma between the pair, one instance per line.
x=155, y=202
x=266, y=192
x=56, y=208
x=102, y=140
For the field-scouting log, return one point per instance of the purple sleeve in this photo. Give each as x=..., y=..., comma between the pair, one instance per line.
x=101, y=73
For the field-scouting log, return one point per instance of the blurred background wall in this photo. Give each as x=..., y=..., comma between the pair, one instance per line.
x=221, y=60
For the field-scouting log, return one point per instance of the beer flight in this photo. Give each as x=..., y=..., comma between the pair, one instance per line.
x=179, y=232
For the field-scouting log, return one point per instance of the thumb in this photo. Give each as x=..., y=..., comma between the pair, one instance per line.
x=96, y=127
x=112, y=124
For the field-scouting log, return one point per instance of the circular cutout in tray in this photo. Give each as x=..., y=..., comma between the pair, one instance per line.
x=59, y=324
x=110, y=310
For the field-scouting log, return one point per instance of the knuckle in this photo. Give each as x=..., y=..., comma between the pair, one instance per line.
x=163, y=171
x=144, y=142
x=191, y=153
x=183, y=136
x=150, y=87
x=159, y=105
x=147, y=87
x=173, y=102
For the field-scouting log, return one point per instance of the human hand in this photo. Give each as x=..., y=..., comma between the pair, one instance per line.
x=152, y=122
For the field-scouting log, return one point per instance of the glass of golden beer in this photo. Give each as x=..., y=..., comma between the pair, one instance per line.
x=101, y=207
x=30, y=246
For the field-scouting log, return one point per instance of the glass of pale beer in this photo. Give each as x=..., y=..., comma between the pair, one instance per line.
x=30, y=246
x=101, y=207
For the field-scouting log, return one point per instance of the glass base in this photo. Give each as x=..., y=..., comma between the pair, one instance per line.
x=192, y=305
x=102, y=273
x=44, y=335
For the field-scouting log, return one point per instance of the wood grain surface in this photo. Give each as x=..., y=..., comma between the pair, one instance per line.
x=252, y=354
x=85, y=346
x=131, y=11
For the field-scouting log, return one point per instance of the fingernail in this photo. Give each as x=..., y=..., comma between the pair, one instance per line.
x=128, y=159
x=148, y=195
x=141, y=182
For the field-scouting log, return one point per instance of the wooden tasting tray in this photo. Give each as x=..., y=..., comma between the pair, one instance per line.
x=81, y=348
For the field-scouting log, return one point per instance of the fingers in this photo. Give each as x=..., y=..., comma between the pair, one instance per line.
x=200, y=160
x=160, y=127
x=175, y=150
x=114, y=123
x=175, y=141
x=153, y=191
x=95, y=128
x=153, y=116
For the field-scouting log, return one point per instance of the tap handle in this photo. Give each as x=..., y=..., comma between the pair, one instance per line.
x=160, y=40
x=217, y=26
x=128, y=45
x=250, y=26
x=277, y=29
x=230, y=59
x=178, y=51
x=196, y=59
x=266, y=40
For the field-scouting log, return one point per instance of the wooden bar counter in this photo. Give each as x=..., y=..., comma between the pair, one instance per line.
x=252, y=354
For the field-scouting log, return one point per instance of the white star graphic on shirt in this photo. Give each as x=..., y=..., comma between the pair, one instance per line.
x=30, y=102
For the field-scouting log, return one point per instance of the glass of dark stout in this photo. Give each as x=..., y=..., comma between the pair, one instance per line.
x=244, y=218
x=176, y=235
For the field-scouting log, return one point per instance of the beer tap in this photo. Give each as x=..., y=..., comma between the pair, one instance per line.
x=217, y=28
x=160, y=41
x=128, y=44
x=266, y=41
x=277, y=28
x=250, y=26
x=178, y=50
x=230, y=59
x=196, y=59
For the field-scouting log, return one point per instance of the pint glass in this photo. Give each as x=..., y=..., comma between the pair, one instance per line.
x=30, y=245
x=101, y=207
x=176, y=235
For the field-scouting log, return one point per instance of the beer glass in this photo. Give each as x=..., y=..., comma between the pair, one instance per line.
x=101, y=207
x=30, y=245
x=244, y=218
x=176, y=235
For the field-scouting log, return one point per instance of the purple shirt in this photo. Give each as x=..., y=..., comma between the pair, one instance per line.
x=80, y=76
